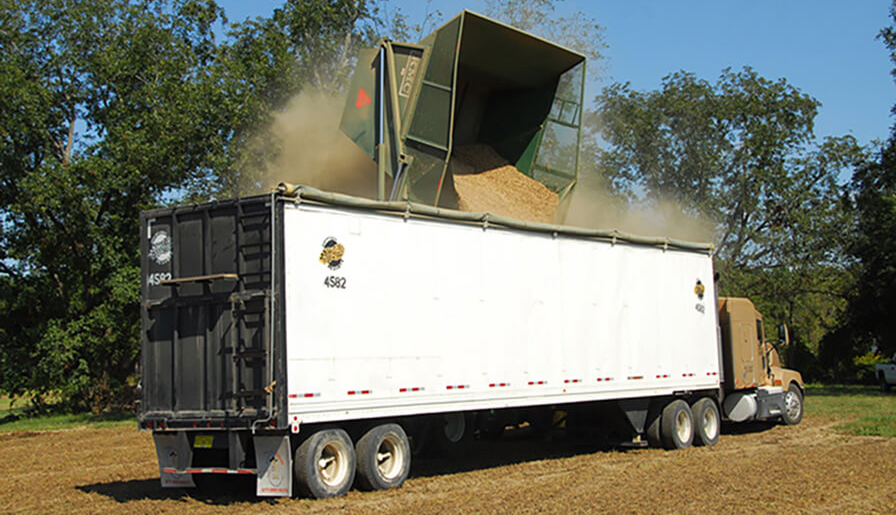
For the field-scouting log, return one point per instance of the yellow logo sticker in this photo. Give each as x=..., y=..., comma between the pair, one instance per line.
x=332, y=253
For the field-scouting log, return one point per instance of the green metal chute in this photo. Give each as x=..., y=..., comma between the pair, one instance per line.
x=472, y=81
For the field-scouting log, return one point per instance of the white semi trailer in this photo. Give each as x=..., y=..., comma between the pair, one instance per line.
x=313, y=339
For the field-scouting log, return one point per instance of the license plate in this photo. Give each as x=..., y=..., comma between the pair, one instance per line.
x=203, y=442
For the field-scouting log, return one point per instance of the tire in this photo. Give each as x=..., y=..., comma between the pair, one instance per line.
x=491, y=425
x=654, y=420
x=384, y=458
x=793, y=405
x=677, y=425
x=707, y=422
x=418, y=431
x=451, y=433
x=325, y=464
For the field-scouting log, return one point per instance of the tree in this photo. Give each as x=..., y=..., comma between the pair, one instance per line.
x=111, y=107
x=303, y=46
x=870, y=322
x=105, y=108
x=741, y=154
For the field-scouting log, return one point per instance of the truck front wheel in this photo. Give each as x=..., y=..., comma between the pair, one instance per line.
x=707, y=421
x=384, y=457
x=793, y=405
x=677, y=425
x=325, y=464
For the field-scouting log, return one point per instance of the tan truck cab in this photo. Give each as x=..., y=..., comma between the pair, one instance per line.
x=755, y=384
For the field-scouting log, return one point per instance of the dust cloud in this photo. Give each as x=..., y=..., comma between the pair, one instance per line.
x=592, y=206
x=314, y=152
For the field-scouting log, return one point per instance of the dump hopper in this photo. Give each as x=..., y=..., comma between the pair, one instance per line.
x=473, y=83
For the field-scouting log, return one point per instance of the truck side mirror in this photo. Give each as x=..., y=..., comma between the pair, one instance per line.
x=783, y=336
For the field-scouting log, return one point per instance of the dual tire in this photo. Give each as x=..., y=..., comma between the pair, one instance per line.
x=678, y=425
x=327, y=464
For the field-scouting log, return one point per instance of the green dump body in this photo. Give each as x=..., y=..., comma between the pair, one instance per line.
x=472, y=81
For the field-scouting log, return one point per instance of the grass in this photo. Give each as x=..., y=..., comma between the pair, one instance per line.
x=860, y=410
x=13, y=418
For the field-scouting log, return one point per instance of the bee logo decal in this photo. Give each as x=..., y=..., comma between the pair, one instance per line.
x=332, y=253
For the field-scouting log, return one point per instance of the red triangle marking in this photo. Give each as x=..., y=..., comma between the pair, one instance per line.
x=362, y=100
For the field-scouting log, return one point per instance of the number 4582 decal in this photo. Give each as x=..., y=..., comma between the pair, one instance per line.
x=332, y=281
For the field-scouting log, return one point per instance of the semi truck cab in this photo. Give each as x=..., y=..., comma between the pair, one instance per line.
x=755, y=384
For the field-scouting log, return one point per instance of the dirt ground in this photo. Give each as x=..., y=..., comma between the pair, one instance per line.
x=758, y=468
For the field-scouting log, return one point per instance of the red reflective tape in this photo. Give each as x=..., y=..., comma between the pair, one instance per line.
x=351, y=392
x=220, y=471
x=531, y=383
x=449, y=387
x=492, y=385
x=402, y=390
x=169, y=471
x=193, y=471
x=307, y=395
x=633, y=378
x=416, y=389
x=245, y=471
x=293, y=395
x=365, y=392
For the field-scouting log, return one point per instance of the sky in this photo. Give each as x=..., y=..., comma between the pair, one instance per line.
x=826, y=48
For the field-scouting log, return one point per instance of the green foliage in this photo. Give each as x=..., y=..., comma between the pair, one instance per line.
x=741, y=153
x=104, y=110
x=111, y=107
x=267, y=62
x=869, y=322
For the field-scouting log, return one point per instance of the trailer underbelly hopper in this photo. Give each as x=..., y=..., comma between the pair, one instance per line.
x=317, y=340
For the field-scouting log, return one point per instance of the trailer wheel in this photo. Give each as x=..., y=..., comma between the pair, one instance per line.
x=677, y=425
x=491, y=425
x=451, y=432
x=418, y=431
x=793, y=405
x=654, y=420
x=384, y=457
x=325, y=464
x=707, y=420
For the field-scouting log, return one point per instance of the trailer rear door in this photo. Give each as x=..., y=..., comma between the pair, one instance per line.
x=206, y=298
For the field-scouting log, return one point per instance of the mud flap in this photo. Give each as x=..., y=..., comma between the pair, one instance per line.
x=272, y=454
x=174, y=453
